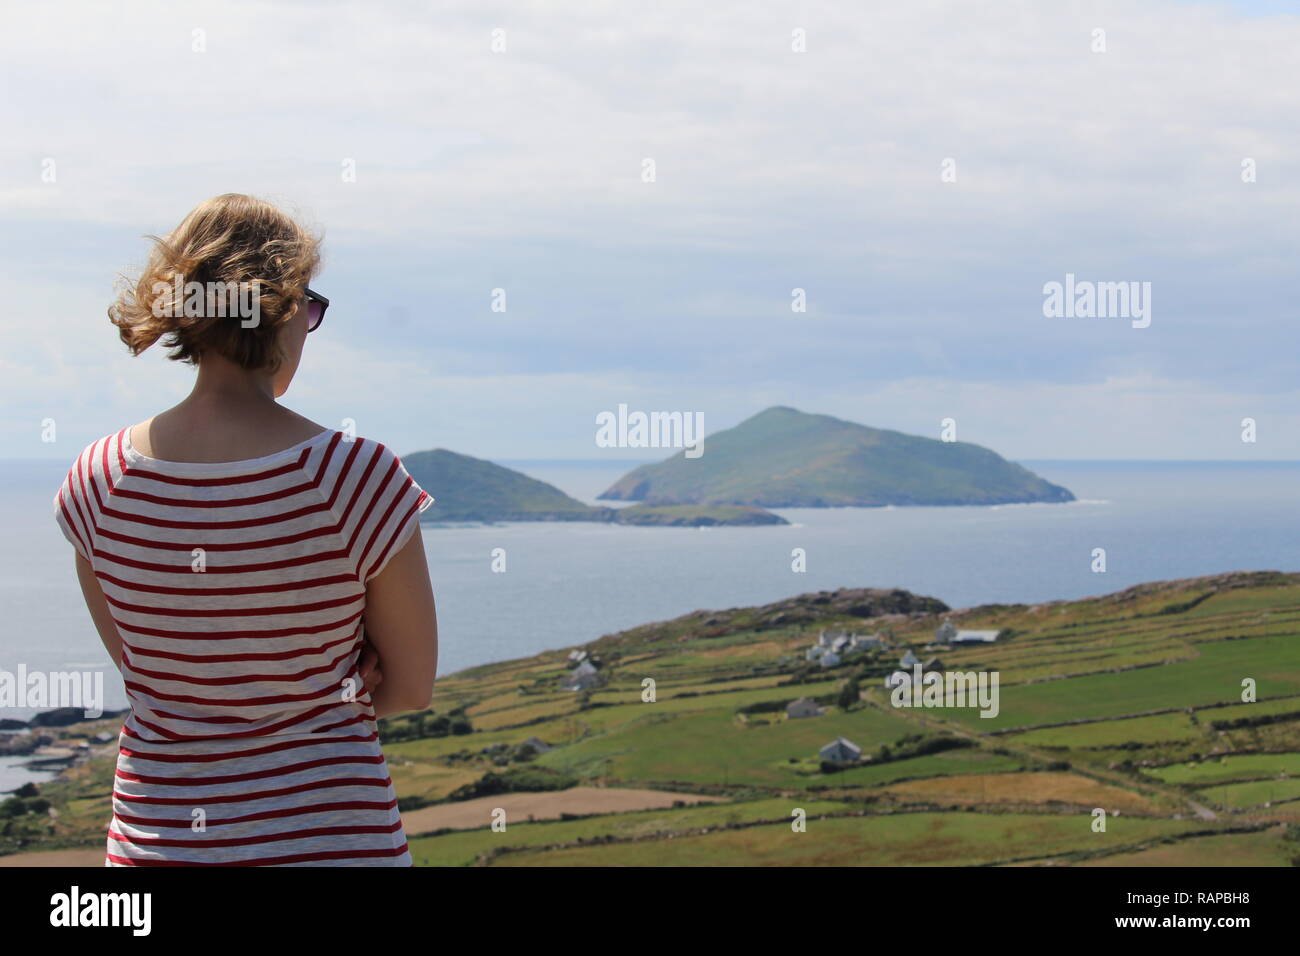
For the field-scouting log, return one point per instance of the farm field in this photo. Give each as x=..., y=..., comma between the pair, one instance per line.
x=1041, y=788
x=471, y=814
x=1212, y=676
x=1262, y=848
x=911, y=839
x=464, y=848
x=681, y=750
x=1114, y=733
x=1255, y=793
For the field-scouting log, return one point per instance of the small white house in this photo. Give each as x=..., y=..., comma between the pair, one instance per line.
x=830, y=659
x=582, y=677
x=867, y=642
x=841, y=750
x=909, y=660
x=536, y=745
x=829, y=636
x=975, y=637
x=803, y=707
x=814, y=652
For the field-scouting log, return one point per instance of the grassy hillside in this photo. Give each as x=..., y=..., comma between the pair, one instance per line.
x=1129, y=702
x=783, y=458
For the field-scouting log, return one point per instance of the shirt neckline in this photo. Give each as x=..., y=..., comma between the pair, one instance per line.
x=137, y=458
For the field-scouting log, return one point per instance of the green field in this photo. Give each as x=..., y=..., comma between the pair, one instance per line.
x=650, y=748
x=1110, y=733
x=911, y=839
x=464, y=847
x=1230, y=767
x=1214, y=676
x=1263, y=848
x=1256, y=793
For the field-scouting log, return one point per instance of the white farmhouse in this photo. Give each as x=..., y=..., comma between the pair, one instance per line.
x=827, y=637
x=975, y=637
x=582, y=677
x=948, y=634
x=803, y=707
x=840, y=750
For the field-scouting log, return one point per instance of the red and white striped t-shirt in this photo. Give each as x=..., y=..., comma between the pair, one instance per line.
x=238, y=590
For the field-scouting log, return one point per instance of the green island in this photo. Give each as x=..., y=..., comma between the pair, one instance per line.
x=469, y=489
x=785, y=458
x=1131, y=703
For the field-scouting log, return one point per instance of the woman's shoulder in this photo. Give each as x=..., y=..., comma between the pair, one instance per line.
x=367, y=450
x=96, y=467
x=103, y=452
x=303, y=427
x=355, y=468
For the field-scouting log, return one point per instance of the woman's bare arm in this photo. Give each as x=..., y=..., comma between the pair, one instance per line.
x=402, y=625
x=99, y=612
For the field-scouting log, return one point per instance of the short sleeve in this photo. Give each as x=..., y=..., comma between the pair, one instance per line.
x=383, y=510
x=72, y=514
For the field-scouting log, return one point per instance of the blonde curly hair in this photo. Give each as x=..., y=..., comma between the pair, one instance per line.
x=229, y=239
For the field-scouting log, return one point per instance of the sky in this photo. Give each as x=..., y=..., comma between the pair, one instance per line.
x=920, y=170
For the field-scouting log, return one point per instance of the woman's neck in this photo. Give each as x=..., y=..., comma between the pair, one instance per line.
x=224, y=383
x=231, y=414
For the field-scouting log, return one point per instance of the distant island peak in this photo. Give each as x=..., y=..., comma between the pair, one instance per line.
x=785, y=458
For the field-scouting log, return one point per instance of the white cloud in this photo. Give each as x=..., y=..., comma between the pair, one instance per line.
x=775, y=169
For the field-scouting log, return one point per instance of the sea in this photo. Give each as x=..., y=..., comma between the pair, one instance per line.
x=565, y=584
